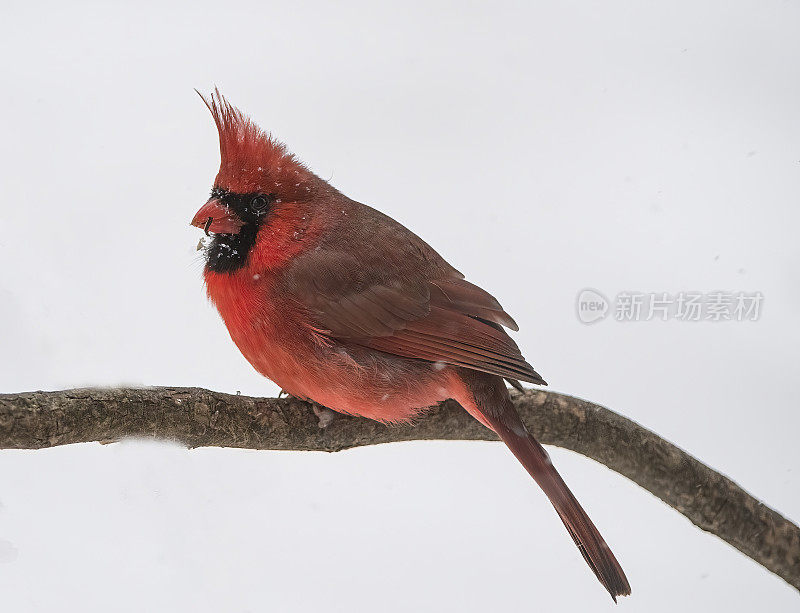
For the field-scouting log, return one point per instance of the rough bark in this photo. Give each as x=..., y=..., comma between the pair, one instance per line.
x=199, y=418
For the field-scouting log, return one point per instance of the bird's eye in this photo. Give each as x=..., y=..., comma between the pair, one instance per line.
x=259, y=203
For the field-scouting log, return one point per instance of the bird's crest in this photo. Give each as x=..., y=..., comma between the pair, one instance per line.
x=251, y=160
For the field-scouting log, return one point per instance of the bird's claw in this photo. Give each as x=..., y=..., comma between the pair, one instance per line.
x=324, y=415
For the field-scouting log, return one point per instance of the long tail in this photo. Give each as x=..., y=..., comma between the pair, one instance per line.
x=492, y=406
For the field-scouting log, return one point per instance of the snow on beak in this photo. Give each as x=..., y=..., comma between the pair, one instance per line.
x=214, y=216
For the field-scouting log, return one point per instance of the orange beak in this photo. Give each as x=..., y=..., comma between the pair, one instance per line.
x=214, y=216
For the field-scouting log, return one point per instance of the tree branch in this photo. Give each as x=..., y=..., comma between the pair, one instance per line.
x=199, y=418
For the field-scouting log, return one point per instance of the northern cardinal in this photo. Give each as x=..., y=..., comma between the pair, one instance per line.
x=343, y=306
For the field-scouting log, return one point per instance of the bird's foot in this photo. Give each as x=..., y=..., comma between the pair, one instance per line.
x=324, y=415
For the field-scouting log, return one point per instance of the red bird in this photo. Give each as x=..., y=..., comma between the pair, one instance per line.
x=343, y=306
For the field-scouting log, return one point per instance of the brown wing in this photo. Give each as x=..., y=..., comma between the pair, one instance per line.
x=397, y=295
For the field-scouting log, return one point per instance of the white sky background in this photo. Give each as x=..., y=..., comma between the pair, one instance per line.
x=542, y=149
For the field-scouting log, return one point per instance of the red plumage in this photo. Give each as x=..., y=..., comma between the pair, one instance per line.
x=340, y=304
x=250, y=159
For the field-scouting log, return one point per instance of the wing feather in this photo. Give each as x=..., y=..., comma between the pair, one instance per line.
x=470, y=299
x=415, y=306
x=454, y=338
